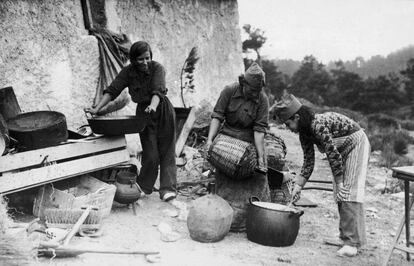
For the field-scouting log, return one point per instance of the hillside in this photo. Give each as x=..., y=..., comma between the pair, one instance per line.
x=372, y=67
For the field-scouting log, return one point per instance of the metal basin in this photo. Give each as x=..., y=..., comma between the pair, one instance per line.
x=117, y=125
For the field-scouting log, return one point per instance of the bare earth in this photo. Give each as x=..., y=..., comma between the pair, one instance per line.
x=125, y=230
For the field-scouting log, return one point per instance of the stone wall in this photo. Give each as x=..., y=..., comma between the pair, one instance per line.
x=52, y=63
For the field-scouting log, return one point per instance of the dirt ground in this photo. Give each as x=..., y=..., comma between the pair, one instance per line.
x=123, y=229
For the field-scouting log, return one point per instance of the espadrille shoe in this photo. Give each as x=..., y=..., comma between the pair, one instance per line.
x=347, y=251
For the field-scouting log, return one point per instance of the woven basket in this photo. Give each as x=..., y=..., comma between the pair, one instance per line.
x=275, y=151
x=283, y=194
x=235, y=158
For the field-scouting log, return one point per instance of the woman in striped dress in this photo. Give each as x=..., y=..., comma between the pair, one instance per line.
x=347, y=149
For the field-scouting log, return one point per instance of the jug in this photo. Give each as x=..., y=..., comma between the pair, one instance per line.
x=209, y=218
x=127, y=189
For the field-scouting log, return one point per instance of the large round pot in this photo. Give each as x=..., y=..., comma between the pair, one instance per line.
x=272, y=224
x=40, y=129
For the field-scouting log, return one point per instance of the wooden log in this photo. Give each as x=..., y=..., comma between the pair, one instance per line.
x=188, y=125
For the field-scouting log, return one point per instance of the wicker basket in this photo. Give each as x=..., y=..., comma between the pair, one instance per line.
x=73, y=194
x=235, y=158
x=275, y=151
x=283, y=194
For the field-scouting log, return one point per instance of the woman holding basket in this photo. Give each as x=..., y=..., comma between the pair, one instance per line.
x=240, y=119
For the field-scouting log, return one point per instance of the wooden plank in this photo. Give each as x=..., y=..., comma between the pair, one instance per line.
x=66, y=151
x=188, y=125
x=406, y=170
x=13, y=182
x=9, y=107
x=405, y=249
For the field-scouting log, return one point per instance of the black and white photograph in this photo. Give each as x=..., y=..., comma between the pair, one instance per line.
x=206, y=132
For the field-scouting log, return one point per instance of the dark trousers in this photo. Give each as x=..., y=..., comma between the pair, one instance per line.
x=158, y=151
x=352, y=223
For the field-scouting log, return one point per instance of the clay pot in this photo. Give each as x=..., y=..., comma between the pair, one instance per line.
x=127, y=189
x=209, y=219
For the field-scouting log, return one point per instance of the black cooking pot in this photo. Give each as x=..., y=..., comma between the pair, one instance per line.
x=39, y=129
x=272, y=224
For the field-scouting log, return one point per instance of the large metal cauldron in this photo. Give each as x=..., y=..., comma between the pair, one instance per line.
x=272, y=224
x=40, y=129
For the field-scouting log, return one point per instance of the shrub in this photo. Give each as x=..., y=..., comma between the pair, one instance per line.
x=398, y=140
x=407, y=124
x=389, y=157
x=382, y=123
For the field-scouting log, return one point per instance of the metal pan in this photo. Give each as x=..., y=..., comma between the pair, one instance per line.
x=116, y=125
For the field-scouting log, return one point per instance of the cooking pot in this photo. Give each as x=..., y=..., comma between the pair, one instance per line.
x=117, y=125
x=39, y=129
x=272, y=224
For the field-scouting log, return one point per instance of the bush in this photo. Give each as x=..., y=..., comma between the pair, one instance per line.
x=398, y=140
x=400, y=145
x=382, y=123
x=407, y=124
x=391, y=159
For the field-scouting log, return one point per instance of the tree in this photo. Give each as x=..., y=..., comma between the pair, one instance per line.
x=347, y=87
x=255, y=40
x=275, y=80
x=311, y=81
x=381, y=94
x=408, y=75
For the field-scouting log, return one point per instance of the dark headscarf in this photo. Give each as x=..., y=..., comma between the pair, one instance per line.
x=137, y=49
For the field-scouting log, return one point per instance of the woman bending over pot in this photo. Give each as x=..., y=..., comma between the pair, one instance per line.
x=347, y=149
x=242, y=112
x=145, y=80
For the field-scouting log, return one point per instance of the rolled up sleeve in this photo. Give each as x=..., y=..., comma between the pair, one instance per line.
x=157, y=85
x=262, y=119
x=221, y=105
x=118, y=84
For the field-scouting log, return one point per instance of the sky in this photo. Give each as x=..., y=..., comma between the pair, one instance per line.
x=330, y=29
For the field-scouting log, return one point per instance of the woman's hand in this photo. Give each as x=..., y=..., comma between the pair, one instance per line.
x=343, y=192
x=93, y=110
x=296, y=193
x=206, y=148
x=261, y=166
x=150, y=108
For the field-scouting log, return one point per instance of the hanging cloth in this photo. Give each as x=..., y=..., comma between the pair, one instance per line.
x=113, y=55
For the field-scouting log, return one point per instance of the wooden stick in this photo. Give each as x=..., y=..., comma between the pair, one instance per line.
x=77, y=225
x=185, y=131
x=67, y=251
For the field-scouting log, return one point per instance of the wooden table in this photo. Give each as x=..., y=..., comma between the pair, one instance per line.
x=405, y=173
